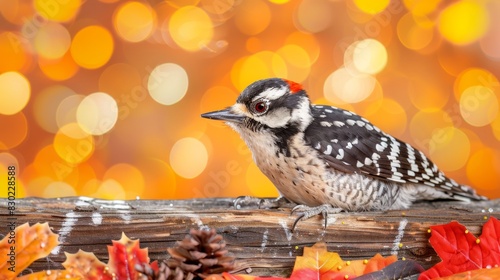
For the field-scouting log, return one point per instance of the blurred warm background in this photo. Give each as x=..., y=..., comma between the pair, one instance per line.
x=103, y=98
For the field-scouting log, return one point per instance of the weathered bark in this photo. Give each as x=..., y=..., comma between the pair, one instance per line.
x=260, y=239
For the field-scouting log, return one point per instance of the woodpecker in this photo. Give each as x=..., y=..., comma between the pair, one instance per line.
x=326, y=159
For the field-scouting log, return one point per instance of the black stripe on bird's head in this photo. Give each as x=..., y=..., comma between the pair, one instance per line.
x=269, y=103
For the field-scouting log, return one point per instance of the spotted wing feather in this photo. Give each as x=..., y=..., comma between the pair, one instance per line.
x=350, y=143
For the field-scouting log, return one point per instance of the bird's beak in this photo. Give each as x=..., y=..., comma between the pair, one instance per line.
x=224, y=115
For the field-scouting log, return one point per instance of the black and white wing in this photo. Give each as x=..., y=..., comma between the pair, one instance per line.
x=350, y=143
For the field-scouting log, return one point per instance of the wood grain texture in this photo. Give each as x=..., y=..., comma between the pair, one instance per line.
x=259, y=238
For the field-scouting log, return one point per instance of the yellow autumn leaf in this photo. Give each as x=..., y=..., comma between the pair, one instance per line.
x=85, y=264
x=23, y=245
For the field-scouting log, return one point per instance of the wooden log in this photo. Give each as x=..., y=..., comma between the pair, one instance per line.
x=259, y=238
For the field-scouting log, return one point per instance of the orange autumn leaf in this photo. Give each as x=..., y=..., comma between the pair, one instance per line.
x=317, y=263
x=378, y=262
x=23, y=245
x=86, y=265
x=331, y=266
x=318, y=258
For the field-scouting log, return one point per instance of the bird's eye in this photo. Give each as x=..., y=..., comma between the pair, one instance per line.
x=260, y=107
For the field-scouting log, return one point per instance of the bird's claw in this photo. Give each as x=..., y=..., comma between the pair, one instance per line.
x=247, y=202
x=306, y=212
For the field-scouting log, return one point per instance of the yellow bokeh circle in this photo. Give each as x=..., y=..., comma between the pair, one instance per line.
x=188, y=157
x=313, y=16
x=110, y=189
x=306, y=41
x=129, y=177
x=449, y=148
x=73, y=144
x=474, y=77
x=369, y=56
x=65, y=112
x=97, y=113
x=344, y=86
x=52, y=40
x=372, y=7
x=424, y=124
x=478, y=105
x=265, y=64
x=58, y=189
x=134, y=21
x=48, y=163
x=297, y=61
x=15, y=92
x=92, y=47
x=415, y=33
x=60, y=11
x=168, y=83
x=191, y=28
x=421, y=7
x=464, y=22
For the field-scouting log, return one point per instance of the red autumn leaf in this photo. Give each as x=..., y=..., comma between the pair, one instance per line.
x=124, y=255
x=490, y=243
x=478, y=274
x=461, y=251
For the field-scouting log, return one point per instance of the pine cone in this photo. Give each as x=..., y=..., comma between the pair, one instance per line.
x=163, y=273
x=200, y=254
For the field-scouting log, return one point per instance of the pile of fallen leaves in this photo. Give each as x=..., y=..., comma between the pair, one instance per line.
x=202, y=255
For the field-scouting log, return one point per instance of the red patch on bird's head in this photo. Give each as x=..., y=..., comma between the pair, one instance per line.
x=294, y=87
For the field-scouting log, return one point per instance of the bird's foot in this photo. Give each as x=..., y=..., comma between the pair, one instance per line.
x=261, y=203
x=273, y=203
x=306, y=212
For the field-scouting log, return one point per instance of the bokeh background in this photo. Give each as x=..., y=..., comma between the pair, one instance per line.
x=103, y=97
